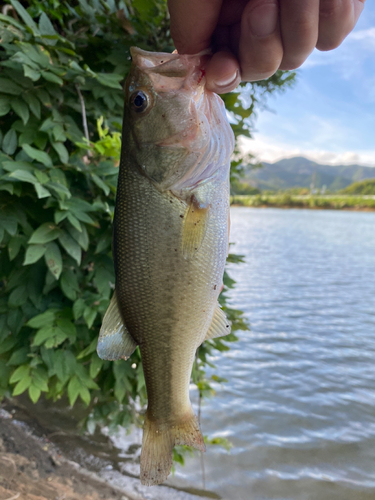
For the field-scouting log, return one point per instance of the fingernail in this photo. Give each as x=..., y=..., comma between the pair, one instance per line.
x=263, y=19
x=227, y=81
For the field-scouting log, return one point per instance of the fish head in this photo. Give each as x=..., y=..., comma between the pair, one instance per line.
x=174, y=128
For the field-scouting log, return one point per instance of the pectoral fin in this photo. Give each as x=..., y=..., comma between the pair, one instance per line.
x=220, y=325
x=195, y=225
x=115, y=342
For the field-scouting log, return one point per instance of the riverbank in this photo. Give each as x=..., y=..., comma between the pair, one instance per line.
x=32, y=468
x=42, y=457
x=285, y=200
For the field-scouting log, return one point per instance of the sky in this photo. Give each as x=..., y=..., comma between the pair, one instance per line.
x=329, y=114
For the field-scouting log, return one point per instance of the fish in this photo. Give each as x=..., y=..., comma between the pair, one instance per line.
x=170, y=242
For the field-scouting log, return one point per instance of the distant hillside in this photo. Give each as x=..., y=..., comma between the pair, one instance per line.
x=301, y=172
x=365, y=187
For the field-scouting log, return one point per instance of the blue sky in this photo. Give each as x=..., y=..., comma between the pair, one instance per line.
x=329, y=115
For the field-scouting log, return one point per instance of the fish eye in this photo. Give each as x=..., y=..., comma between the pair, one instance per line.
x=139, y=101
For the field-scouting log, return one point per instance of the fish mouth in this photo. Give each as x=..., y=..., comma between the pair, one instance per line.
x=184, y=70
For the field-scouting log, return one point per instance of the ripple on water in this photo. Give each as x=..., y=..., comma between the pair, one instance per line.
x=299, y=405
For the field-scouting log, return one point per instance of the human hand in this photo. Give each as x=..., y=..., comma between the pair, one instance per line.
x=252, y=39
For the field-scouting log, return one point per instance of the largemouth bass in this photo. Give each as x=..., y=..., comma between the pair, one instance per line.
x=170, y=242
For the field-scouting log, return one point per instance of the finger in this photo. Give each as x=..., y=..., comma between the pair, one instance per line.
x=192, y=23
x=337, y=18
x=299, y=21
x=260, y=47
x=223, y=72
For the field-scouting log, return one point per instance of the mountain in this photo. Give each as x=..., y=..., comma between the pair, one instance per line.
x=301, y=172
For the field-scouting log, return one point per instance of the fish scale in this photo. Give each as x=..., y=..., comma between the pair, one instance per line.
x=170, y=242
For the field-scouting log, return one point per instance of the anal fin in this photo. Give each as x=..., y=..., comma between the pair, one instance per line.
x=220, y=325
x=195, y=225
x=115, y=342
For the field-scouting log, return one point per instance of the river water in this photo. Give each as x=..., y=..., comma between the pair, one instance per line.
x=299, y=405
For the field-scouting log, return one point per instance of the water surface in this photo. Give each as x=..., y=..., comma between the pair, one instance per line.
x=299, y=406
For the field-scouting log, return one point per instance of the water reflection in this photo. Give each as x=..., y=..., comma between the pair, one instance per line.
x=300, y=403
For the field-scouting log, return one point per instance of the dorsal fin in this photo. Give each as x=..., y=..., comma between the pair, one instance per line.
x=115, y=342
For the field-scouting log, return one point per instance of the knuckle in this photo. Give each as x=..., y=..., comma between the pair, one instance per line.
x=334, y=8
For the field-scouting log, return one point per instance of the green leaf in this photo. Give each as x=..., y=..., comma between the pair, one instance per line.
x=64, y=364
x=59, y=133
x=51, y=336
x=11, y=166
x=9, y=224
x=45, y=233
x=71, y=246
x=21, y=109
x=74, y=222
x=20, y=373
x=85, y=395
x=34, y=393
x=10, y=142
x=7, y=344
x=100, y=184
x=78, y=308
x=23, y=175
x=74, y=388
x=60, y=189
x=4, y=106
x=46, y=318
x=34, y=253
x=31, y=73
x=14, y=247
x=10, y=87
x=41, y=191
x=45, y=25
x=61, y=151
x=53, y=259
x=18, y=296
x=33, y=103
x=68, y=328
x=19, y=357
x=82, y=216
x=41, y=176
x=22, y=12
x=81, y=237
x=22, y=386
x=69, y=284
x=95, y=365
x=90, y=348
x=38, y=155
x=40, y=379
x=110, y=80
x=89, y=316
x=51, y=77
x=43, y=97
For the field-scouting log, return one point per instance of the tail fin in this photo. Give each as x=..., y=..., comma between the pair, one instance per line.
x=158, y=442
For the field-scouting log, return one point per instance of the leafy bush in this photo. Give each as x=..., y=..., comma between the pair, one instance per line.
x=60, y=74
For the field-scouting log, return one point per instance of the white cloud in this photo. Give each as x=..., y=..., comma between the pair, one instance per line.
x=364, y=35
x=268, y=150
x=351, y=57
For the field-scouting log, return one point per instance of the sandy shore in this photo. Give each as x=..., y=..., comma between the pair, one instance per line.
x=32, y=469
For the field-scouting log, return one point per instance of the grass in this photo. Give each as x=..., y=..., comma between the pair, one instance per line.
x=286, y=200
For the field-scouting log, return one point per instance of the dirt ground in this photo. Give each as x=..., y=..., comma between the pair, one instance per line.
x=32, y=469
